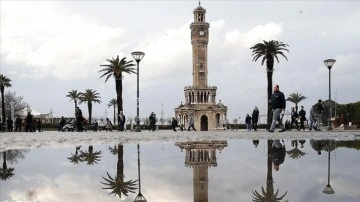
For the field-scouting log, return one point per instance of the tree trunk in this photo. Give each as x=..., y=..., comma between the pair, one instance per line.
x=90, y=111
x=3, y=104
x=270, y=67
x=118, y=85
x=269, y=178
x=114, y=115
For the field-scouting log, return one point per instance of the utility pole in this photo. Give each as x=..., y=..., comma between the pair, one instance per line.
x=162, y=114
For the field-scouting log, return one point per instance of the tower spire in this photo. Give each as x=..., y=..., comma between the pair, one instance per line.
x=199, y=3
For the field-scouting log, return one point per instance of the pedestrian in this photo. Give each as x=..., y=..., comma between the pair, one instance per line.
x=294, y=118
x=302, y=115
x=255, y=118
x=108, y=125
x=121, y=119
x=38, y=125
x=61, y=124
x=248, y=122
x=10, y=124
x=278, y=105
x=79, y=119
x=18, y=122
x=152, y=121
x=191, y=123
x=29, y=122
x=174, y=124
x=318, y=108
x=95, y=126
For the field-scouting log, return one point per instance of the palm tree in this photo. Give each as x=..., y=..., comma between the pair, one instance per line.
x=116, y=68
x=268, y=51
x=4, y=82
x=90, y=96
x=74, y=95
x=113, y=103
x=117, y=183
x=296, y=98
x=90, y=156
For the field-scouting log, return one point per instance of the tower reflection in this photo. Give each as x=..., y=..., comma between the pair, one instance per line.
x=200, y=155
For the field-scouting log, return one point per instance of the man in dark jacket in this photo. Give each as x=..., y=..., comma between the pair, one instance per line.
x=255, y=118
x=277, y=154
x=18, y=122
x=294, y=118
x=302, y=115
x=318, y=108
x=278, y=105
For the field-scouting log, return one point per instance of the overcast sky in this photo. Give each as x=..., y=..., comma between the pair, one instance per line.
x=51, y=48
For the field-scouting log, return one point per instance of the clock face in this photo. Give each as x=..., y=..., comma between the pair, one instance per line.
x=202, y=33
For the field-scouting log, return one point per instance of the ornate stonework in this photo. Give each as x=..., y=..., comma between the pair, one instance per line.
x=200, y=99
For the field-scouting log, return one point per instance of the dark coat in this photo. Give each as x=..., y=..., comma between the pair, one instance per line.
x=255, y=116
x=278, y=100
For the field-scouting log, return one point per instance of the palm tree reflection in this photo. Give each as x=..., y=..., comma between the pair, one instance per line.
x=6, y=172
x=90, y=156
x=295, y=153
x=116, y=184
x=268, y=195
x=75, y=158
x=10, y=156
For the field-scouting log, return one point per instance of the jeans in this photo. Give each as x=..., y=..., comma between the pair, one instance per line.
x=318, y=120
x=248, y=126
x=276, y=117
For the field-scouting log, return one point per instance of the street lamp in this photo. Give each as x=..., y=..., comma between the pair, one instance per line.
x=139, y=197
x=329, y=63
x=328, y=189
x=137, y=56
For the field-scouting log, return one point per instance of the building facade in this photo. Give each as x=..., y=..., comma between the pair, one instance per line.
x=200, y=98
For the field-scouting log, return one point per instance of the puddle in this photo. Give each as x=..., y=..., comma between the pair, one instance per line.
x=196, y=171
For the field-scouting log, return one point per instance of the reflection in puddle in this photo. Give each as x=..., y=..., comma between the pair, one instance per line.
x=235, y=170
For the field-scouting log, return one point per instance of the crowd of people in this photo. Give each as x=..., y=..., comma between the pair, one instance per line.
x=30, y=124
x=297, y=121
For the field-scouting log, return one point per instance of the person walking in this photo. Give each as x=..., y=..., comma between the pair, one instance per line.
x=248, y=122
x=278, y=105
x=38, y=125
x=121, y=118
x=10, y=124
x=255, y=118
x=152, y=120
x=108, y=125
x=302, y=115
x=79, y=119
x=29, y=122
x=318, y=108
x=174, y=124
x=294, y=118
x=61, y=124
x=191, y=123
x=18, y=122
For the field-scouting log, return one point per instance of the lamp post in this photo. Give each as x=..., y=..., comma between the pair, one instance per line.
x=137, y=56
x=139, y=197
x=328, y=189
x=329, y=63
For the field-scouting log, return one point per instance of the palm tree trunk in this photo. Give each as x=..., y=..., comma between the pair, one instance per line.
x=118, y=86
x=75, y=105
x=270, y=67
x=90, y=111
x=3, y=103
x=114, y=114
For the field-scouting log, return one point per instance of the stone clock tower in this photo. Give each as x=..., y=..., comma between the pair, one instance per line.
x=200, y=98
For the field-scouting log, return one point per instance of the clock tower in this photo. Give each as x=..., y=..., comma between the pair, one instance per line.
x=200, y=98
x=199, y=41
